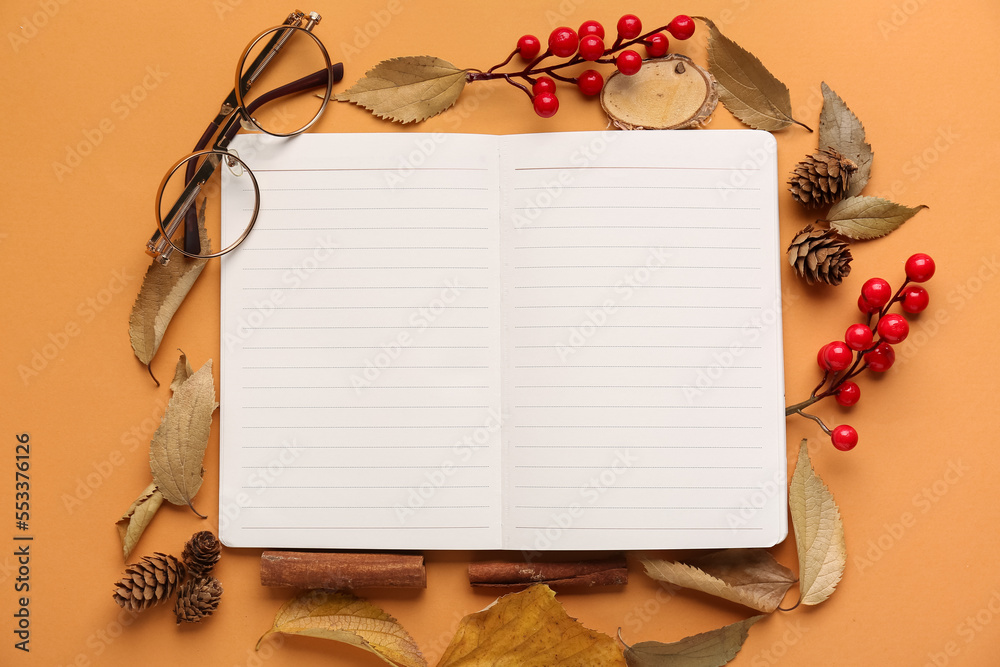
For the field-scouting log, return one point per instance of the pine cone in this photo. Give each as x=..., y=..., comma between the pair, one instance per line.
x=201, y=553
x=819, y=256
x=197, y=599
x=821, y=179
x=150, y=581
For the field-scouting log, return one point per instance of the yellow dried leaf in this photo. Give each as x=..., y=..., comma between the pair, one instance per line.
x=137, y=517
x=746, y=87
x=181, y=373
x=342, y=617
x=707, y=649
x=178, y=446
x=528, y=629
x=409, y=89
x=819, y=532
x=161, y=294
x=750, y=577
x=841, y=130
x=864, y=218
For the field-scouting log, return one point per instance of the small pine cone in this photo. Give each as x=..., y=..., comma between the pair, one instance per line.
x=150, y=581
x=201, y=553
x=819, y=256
x=197, y=599
x=822, y=178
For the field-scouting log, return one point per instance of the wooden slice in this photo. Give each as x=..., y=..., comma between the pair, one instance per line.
x=668, y=93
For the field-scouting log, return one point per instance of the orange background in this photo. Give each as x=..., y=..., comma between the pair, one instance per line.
x=135, y=85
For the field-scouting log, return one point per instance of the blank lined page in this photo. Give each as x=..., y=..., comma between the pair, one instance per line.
x=642, y=333
x=360, y=351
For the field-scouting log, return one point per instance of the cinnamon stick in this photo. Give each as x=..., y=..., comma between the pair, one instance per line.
x=338, y=571
x=608, y=572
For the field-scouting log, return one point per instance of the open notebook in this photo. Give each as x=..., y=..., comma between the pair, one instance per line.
x=549, y=341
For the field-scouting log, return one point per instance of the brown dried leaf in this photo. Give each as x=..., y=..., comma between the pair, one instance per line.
x=408, y=89
x=181, y=373
x=137, y=517
x=343, y=617
x=528, y=629
x=178, y=446
x=746, y=87
x=707, y=649
x=819, y=532
x=864, y=218
x=750, y=577
x=161, y=294
x=841, y=130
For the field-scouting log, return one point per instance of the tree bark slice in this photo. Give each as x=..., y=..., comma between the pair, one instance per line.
x=341, y=571
x=610, y=572
x=668, y=93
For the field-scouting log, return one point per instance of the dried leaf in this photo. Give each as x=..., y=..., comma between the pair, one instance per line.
x=161, y=294
x=528, y=629
x=819, y=532
x=841, y=130
x=137, y=517
x=708, y=649
x=342, y=617
x=750, y=577
x=409, y=89
x=746, y=87
x=181, y=373
x=178, y=446
x=864, y=218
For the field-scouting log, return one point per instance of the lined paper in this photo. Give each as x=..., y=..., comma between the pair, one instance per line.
x=529, y=342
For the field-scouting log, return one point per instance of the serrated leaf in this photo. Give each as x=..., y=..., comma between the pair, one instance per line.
x=864, y=218
x=746, y=87
x=345, y=618
x=408, y=89
x=182, y=372
x=528, y=629
x=137, y=517
x=161, y=294
x=707, y=649
x=841, y=130
x=178, y=446
x=750, y=577
x=819, y=532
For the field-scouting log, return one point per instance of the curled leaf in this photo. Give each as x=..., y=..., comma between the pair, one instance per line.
x=841, y=130
x=178, y=446
x=864, y=218
x=345, y=618
x=750, y=577
x=707, y=649
x=137, y=517
x=161, y=294
x=181, y=373
x=408, y=89
x=746, y=87
x=819, y=532
x=528, y=629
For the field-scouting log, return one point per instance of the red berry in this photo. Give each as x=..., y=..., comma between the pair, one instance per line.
x=893, y=328
x=837, y=355
x=848, y=394
x=543, y=84
x=821, y=358
x=563, y=42
x=866, y=307
x=629, y=26
x=859, y=337
x=546, y=105
x=919, y=268
x=591, y=47
x=682, y=27
x=657, y=45
x=591, y=28
x=628, y=62
x=880, y=359
x=915, y=299
x=590, y=82
x=876, y=292
x=529, y=46
x=844, y=437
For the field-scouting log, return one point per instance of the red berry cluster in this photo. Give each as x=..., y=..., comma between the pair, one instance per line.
x=842, y=360
x=585, y=45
